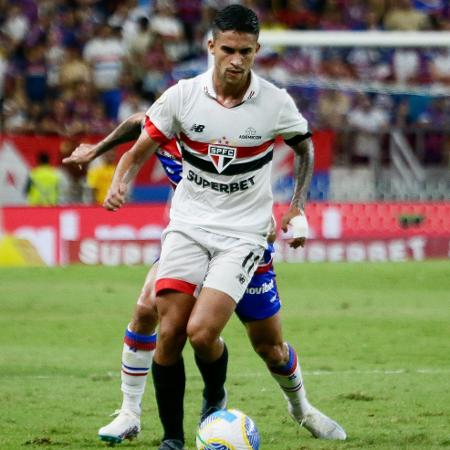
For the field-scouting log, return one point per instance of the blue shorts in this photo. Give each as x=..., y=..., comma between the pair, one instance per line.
x=261, y=299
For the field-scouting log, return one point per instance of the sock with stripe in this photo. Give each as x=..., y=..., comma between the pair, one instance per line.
x=289, y=377
x=137, y=358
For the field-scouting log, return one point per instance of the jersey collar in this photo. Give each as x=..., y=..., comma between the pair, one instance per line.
x=252, y=91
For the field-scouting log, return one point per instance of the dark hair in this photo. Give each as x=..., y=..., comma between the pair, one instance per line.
x=236, y=18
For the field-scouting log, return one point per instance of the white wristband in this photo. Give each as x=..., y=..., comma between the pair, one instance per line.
x=299, y=226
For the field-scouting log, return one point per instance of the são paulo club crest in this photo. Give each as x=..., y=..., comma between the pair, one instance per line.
x=221, y=155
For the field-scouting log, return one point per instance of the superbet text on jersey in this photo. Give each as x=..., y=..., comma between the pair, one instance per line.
x=227, y=153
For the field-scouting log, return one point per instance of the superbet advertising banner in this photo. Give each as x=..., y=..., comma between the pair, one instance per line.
x=338, y=232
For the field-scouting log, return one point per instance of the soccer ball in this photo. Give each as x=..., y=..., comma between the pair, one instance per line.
x=227, y=429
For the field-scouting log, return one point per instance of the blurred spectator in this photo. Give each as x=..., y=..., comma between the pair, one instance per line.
x=39, y=30
x=142, y=38
x=57, y=119
x=138, y=45
x=369, y=64
x=131, y=104
x=105, y=54
x=14, y=111
x=43, y=183
x=406, y=65
x=296, y=15
x=157, y=69
x=403, y=17
x=99, y=177
x=332, y=18
x=165, y=23
x=73, y=70
x=334, y=65
x=355, y=14
x=189, y=12
x=68, y=27
x=333, y=106
x=35, y=73
x=440, y=66
x=99, y=123
x=435, y=124
x=368, y=123
x=54, y=57
x=15, y=24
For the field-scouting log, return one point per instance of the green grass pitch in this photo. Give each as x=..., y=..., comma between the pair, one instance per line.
x=373, y=339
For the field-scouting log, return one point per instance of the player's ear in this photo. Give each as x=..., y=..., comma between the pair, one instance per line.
x=211, y=46
x=258, y=46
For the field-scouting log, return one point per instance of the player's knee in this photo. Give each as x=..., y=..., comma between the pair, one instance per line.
x=145, y=319
x=271, y=354
x=201, y=338
x=171, y=336
x=146, y=314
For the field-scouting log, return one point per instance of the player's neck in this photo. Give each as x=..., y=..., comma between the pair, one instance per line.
x=230, y=95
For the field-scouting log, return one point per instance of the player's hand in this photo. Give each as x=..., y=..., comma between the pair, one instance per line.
x=299, y=239
x=116, y=197
x=83, y=154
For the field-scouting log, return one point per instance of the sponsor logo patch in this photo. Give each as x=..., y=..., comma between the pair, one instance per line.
x=221, y=156
x=249, y=133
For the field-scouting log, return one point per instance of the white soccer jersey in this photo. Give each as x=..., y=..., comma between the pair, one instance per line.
x=227, y=153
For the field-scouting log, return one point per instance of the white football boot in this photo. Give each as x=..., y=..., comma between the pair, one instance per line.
x=126, y=425
x=317, y=423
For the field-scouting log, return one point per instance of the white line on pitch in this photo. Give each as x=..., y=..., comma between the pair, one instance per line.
x=424, y=371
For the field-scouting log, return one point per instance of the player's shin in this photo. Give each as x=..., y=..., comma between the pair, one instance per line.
x=169, y=383
x=289, y=377
x=137, y=358
x=214, y=376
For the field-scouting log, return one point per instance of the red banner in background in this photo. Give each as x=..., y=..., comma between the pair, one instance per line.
x=338, y=232
x=27, y=149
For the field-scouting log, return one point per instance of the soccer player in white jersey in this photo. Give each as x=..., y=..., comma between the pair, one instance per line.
x=226, y=121
x=258, y=310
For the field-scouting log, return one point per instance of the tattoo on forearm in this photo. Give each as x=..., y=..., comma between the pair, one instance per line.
x=304, y=165
x=129, y=130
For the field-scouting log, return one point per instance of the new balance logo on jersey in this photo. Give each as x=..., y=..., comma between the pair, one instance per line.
x=197, y=128
x=221, y=156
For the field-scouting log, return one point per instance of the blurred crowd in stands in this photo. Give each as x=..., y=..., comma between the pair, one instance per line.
x=76, y=67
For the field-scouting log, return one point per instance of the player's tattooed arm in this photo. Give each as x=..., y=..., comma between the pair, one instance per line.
x=304, y=165
x=303, y=170
x=126, y=131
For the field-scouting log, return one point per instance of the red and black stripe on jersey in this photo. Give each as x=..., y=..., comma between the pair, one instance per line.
x=232, y=169
x=202, y=148
x=235, y=168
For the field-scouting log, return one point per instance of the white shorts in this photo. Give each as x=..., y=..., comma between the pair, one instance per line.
x=195, y=258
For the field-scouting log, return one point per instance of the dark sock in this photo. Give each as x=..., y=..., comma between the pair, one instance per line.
x=169, y=383
x=214, y=375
